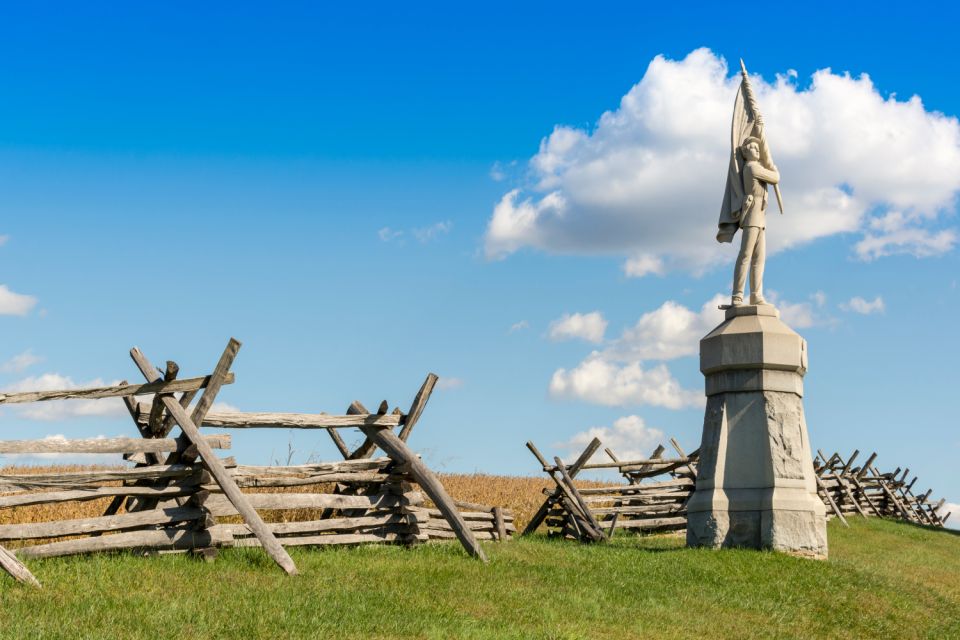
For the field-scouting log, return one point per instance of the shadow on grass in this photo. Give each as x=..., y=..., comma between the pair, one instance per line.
x=927, y=527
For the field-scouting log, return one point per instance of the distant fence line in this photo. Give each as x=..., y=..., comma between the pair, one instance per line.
x=644, y=503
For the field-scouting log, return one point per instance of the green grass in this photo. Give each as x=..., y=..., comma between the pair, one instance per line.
x=883, y=579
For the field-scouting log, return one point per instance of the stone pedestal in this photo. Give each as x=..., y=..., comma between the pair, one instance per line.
x=755, y=485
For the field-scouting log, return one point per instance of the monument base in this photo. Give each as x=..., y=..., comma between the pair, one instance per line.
x=755, y=483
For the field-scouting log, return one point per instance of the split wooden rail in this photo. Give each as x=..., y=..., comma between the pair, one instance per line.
x=179, y=496
x=643, y=503
x=866, y=491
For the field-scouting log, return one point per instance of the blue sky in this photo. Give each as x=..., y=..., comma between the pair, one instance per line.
x=321, y=183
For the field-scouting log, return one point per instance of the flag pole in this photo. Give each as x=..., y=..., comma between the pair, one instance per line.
x=755, y=110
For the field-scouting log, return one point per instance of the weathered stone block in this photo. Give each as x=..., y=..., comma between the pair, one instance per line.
x=755, y=486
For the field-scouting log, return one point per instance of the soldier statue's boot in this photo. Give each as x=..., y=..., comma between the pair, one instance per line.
x=757, y=298
x=736, y=301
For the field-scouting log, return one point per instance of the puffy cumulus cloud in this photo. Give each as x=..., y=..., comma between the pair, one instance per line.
x=63, y=409
x=629, y=438
x=20, y=362
x=801, y=315
x=15, y=304
x=864, y=307
x=647, y=181
x=585, y=326
x=617, y=374
x=600, y=381
x=669, y=332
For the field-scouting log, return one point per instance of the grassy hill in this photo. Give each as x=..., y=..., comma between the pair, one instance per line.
x=884, y=579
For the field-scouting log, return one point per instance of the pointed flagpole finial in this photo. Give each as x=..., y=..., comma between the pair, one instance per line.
x=743, y=67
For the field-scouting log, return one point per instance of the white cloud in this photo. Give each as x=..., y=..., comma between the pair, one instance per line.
x=3, y=239
x=501, y=171
x=434, y=231
x=224, y=407
x=20, y=362
x=859, y=305
x=629, y=438
x=585, y=326
x=669, y=332
x=423, y=235
x=519, y=326
x=954, y=509
x=449, y=383
x=646, y=182
x=600, y=381
x=63, y=409
x=642, y=265
x=15, y=304
x=386, y=234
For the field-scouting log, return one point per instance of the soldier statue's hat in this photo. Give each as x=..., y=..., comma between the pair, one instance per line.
x=748, y=140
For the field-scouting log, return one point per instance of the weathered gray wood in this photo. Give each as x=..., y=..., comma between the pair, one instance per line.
x=398, y=450
x=575, y=468
x=333, y=524
x=613, y=525
x=846, y=466
x=419, y=402
x=501, y=526
x=639, y=488
x=339, y=443
x=660, y=465
x=676, y=447
x=317, y=468
x=105, y=445
x=575, y=494
x=483, y=508
x=846, y=491
x=115, y=391
x=353, y=478
x=73, y=479
x=474, y=515
x=863, y=492
x=17, y=569
x=656, y=455
x=219, y=472
x=297, y=421
x=220, y=505
x=443, y=534
x=155, y=419
x=143, y=539
x=100, y=524
x=866, y=465
x=81, y=495
x=653, y=523
x=389, y=534
x=367, y=447
x=831, y=502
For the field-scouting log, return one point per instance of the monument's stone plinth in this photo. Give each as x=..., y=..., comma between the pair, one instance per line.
x=755, y=482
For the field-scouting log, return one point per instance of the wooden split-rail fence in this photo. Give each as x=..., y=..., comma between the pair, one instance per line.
x=179, y=496
x=652, y=498
x=866, y=491
x=644, y=502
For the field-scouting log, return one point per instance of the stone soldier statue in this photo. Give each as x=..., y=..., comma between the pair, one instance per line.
x=745, y=199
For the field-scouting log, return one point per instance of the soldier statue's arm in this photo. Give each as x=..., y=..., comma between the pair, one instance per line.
x=760, y=172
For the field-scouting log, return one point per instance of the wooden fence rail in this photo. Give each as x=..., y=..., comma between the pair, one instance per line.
x=179, y=496
x=647, y=504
